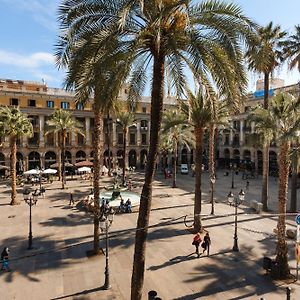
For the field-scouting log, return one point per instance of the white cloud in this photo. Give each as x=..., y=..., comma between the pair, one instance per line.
x=34, y=60
x=42, y=11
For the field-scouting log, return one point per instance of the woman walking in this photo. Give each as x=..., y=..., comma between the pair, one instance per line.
x=196, y=242
x=206, y=243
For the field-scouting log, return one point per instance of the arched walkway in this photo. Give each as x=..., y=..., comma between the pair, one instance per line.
x=132, y=158
x=34, y=160
x=120, y=158
x=80, y=155
x=143, y=158
x=50, y=158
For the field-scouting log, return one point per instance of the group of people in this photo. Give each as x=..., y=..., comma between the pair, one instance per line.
x=205, y=244
x=125, y=207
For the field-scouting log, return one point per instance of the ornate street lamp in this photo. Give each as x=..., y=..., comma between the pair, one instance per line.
x=105, y=222
x=236, y=201
x=30, y=200
x=233, y=170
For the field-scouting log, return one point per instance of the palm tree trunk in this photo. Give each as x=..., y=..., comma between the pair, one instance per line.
x=157, y=96
x=198, y=175
x=96, y=184
x=282, y=249
x=63, y=165
x=265, y=178
x=293, y=206
x=175, y=165
x=108, y=145
x=13, y=171
x=124, y=155
x=255, y=162
x=212, y=165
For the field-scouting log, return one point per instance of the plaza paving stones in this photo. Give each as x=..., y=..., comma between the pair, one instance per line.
x=59, y=268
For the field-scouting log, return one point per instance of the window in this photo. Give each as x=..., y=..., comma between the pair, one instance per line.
x=144, y=124
x=14, y=101
x=34, y=140
x=31, y=103
x=79, y=106
x=80, y=139
x=144, y=110
x=144, y=138
x=120, y=138
x=65, y=105
x=50, y=104
x=132, y=139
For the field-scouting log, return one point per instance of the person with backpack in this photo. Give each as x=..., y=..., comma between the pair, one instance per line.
x=4, y=259
x=206, y=243
x=196, y=242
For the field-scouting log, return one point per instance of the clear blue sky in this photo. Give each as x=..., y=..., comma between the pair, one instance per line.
x=28, y=30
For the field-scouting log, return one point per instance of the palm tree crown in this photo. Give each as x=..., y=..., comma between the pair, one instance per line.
x=15, y=124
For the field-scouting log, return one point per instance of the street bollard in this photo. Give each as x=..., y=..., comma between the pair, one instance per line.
x=288, y=293
x=157, y=298
x=152, y=295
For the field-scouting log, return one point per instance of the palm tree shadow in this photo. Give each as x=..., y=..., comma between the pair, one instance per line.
x=183, y=258
x=85, y=292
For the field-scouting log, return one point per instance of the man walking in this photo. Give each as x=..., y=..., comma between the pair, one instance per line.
x=71, y=199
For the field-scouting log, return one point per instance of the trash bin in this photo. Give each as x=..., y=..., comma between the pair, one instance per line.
x=152, y=295
x=267, y=261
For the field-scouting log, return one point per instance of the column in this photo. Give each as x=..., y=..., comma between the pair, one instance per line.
x=114, y=134
x=252, y=127
x=241, y=132
x=231, y=134
x=87, y=131
x=42, y=137
x=138, y=132
x=73, y=138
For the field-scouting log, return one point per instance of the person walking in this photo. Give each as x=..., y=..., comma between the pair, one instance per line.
x=196, y=242
x=71, y=199
x=247, y=184
x=206, y=243
x=4, y=259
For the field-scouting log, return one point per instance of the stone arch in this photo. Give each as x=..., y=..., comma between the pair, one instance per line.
x=143, y=158
x=80, y=155
x=34, y=160
x=120, y=158
x=247, y=155
x=227, y=153
x=50, y=158
x=184, y=158
x=273, y=166
x=132, y=158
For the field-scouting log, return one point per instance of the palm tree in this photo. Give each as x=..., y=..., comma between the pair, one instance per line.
x=280, y=122
x=62, y=122
x=264, y=55
x=219, y=118
x=198, y=110
x=125, y=118
x=164, y=148
x=14, y=124
x=163, y=35
x=176, y=132
x=291, y=49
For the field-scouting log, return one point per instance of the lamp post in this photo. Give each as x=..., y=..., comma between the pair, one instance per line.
x=236, y=201
x=232, y=168
x=105, y=222
x=30, y=200
x=212, y=201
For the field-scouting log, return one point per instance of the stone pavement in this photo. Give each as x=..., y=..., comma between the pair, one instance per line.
x=58, y=267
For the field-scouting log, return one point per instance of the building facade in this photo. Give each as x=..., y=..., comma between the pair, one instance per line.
x=38, y=102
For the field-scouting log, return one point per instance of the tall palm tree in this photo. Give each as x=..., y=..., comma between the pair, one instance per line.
x=291, y=48
x=62, y=122
x=280, y=122
x=219, y=118
x=14, y=124
x=264, y=55
x=162, y=35
x=198, y=110
x=125, y=118
x=177, y=132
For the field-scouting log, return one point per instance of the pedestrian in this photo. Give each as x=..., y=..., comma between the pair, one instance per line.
x=71, y=199
x=4, y=259
x=196, y=242
x=206, y=243
x=247, y=184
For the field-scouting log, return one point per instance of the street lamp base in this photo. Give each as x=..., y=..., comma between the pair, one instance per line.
x=106, y=287
x=235, y=248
